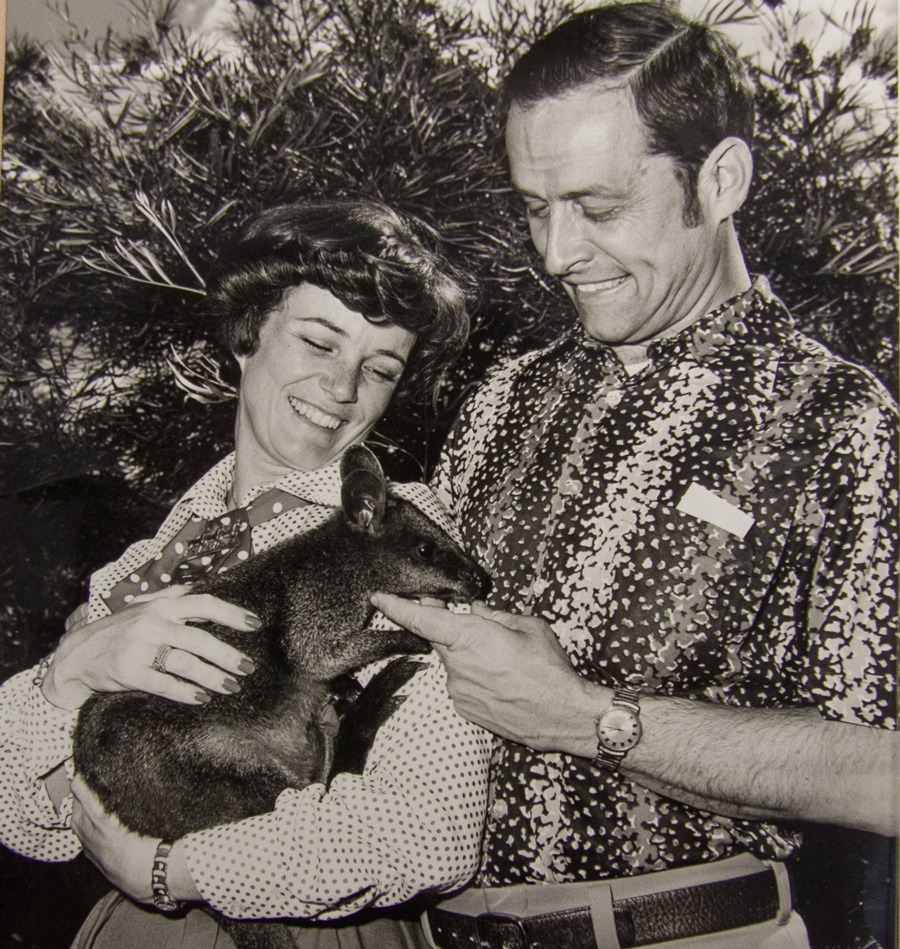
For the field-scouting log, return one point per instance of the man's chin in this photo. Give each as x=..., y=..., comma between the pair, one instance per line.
x=606, y=329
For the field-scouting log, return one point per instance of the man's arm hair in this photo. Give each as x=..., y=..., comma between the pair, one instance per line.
x=785, y=764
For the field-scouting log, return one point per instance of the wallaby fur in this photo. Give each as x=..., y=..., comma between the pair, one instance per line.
x=167, y=769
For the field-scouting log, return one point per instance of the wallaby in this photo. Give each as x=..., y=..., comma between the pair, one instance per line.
x=167, y=769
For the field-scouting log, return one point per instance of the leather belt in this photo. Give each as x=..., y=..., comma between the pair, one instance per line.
x=639, y=920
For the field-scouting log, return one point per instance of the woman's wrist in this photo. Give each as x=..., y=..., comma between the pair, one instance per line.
x=64, y=693
x=179, y=881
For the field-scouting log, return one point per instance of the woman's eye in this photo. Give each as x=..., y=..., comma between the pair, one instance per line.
x=315, y=344
x=383, y=375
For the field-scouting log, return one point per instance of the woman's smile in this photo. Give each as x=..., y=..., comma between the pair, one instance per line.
x=315, y=415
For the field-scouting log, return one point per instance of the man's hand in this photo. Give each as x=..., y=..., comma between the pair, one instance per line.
x=508, y=674
x=115, y=654
x=122, y=856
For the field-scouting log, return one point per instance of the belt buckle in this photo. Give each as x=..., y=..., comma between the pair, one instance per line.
x=501, y=931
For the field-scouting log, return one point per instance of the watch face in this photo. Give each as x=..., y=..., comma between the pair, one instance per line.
x=619, y=729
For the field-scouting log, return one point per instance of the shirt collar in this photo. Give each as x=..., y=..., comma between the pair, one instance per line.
x=207, y=498
x=753, y=317
x=732, y=344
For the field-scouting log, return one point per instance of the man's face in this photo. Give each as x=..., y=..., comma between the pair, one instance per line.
x=607, y=216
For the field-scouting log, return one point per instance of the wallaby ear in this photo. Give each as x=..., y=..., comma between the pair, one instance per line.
x=358, y=457
x=363, y=488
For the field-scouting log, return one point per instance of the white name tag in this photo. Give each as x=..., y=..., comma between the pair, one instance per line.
x=709, y=507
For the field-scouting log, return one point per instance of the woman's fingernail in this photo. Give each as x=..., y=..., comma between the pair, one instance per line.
x=231, y=684
x=202, y=697
x=254, y=622
x=247, y=666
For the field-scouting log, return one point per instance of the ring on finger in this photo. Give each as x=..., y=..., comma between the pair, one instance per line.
x=159, y=660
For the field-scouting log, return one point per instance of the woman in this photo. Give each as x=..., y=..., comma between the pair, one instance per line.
x=329, y=310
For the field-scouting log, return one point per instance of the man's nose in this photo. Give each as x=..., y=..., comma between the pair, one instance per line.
x=341, y=383
x=563, y=246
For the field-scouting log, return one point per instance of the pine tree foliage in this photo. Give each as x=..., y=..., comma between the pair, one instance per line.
x=129, y=164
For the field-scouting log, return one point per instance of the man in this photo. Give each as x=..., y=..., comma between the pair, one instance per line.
x=689, y=511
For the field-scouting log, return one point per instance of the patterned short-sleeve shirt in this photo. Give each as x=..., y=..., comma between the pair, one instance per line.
x=721, y=524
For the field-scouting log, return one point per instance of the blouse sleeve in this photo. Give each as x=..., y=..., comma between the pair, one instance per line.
x=35, y=738
x=410, y=823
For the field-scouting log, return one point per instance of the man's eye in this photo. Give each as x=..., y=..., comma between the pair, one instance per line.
x=534, y=211
x=599, y=215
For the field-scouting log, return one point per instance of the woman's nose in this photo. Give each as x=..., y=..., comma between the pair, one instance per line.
x=341, y=383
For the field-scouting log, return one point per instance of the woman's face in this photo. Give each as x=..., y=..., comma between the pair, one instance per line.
x=318, y=382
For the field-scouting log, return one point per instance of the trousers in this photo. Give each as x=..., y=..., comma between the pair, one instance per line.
x=118, y=923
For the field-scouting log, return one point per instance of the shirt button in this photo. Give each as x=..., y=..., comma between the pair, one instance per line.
x=539, y=586
x=499, y=809
x=571, y=487
x=613, y=398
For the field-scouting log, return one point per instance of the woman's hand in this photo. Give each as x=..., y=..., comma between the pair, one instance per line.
x=122, y=856
x=78, y=617
x=116, y=653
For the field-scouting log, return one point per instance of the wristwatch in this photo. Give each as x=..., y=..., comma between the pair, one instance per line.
x=618, y=729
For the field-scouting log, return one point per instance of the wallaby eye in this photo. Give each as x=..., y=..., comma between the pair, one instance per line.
x=426, y=549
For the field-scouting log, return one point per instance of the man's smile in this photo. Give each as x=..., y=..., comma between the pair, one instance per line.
x=598, y=286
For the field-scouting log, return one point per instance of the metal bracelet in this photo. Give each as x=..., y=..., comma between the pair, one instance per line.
x=42, y=670
x=162, y=899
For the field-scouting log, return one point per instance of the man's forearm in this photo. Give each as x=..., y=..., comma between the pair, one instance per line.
x=787, y=764
x=778, y=764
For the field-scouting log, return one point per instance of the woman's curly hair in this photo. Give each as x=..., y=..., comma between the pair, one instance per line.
x=387, y=266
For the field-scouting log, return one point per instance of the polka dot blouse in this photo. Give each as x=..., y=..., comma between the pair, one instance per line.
x=722, y=524
x=411, y=822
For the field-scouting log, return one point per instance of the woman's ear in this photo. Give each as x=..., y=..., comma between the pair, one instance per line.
x=725, y=178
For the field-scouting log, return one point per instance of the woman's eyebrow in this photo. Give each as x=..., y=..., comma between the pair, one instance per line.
x=323, y=322
x=391, y=354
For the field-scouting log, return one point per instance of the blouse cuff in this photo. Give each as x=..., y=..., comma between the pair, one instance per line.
x=45, y=731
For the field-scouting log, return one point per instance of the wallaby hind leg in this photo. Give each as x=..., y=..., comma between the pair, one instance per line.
x=371, y=709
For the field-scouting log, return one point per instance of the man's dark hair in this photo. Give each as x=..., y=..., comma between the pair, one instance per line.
x=689, y=85
x=389, y=267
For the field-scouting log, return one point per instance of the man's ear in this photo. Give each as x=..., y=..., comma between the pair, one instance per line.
x=725, y=178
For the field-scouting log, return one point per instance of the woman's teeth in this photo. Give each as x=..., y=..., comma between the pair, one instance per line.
x=314, y=415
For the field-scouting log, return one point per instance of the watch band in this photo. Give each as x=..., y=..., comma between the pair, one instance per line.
x=162, y=899
x=609, y=759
